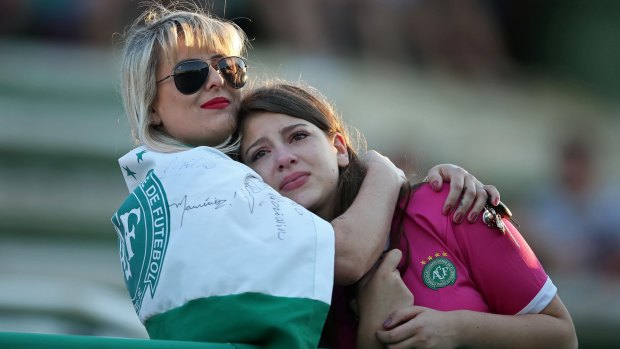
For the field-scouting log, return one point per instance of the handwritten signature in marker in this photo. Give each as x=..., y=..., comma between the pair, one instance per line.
x=209, y=202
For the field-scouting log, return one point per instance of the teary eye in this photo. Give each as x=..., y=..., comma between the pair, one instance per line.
x=258, y=154
x=298, y=136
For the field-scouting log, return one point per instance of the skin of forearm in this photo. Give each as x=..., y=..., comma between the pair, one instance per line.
x=366, y=338
x=483, y=330
x=362, y=231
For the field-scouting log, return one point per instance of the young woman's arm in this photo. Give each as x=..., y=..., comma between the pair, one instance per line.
x=384, y=293
x=507, y=275
x=420, y=327
x=427, y=328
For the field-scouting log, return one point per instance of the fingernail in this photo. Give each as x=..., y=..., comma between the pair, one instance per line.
x=496, y=202
x=387, y=322
x=435, y=185
x=472, y=217
x=458, y=217
x=447, y=209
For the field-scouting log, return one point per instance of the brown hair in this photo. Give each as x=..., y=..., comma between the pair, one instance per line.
x=308, y=104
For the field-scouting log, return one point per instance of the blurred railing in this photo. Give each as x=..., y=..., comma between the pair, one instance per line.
x=31, y=341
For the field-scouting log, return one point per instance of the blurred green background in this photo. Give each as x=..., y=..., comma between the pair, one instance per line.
x=497, y=87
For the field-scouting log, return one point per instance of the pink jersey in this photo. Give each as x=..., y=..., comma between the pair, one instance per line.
x=466, y=266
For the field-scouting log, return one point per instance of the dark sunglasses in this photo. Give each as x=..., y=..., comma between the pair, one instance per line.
x=190, y=75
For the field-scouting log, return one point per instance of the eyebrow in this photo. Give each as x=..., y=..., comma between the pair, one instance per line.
x=283, y=130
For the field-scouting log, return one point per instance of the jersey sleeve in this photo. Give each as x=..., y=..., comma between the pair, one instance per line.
x=503, y=267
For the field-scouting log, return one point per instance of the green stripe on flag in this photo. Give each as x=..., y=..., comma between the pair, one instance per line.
x=251, y=318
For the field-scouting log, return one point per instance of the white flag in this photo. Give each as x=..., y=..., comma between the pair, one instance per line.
x=211, y=253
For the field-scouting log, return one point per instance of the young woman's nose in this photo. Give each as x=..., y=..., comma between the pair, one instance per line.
x=285, y=158
x=215, y=79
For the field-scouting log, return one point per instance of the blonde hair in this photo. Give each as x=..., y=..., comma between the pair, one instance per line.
x=154, y=36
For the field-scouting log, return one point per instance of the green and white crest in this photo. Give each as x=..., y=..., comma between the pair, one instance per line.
x=438, y=273
x=142, y=224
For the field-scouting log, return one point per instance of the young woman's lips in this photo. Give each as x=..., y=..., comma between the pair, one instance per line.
x=216, y=103
x=294, y=181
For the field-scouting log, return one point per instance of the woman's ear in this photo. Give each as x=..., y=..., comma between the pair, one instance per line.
x=341, y=150
x=155, y=119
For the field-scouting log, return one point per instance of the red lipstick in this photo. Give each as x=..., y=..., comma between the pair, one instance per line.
x=216, y=103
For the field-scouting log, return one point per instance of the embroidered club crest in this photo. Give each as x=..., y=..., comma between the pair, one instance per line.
x=438, y=272
x=142, y=224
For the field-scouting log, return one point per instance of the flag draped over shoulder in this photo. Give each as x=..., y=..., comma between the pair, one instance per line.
x=211, y=253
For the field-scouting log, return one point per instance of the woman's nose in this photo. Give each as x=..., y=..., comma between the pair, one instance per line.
x=215, y=79
x=285, y=159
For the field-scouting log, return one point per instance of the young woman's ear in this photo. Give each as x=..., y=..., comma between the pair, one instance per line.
x=341, y=150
